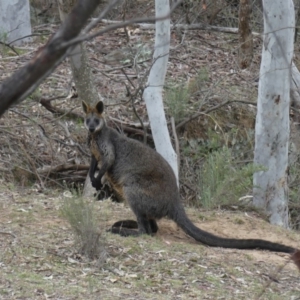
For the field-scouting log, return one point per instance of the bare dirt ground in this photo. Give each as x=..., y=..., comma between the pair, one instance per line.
x=39, y=260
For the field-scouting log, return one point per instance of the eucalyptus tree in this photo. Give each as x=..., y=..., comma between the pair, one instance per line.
x=272, y=121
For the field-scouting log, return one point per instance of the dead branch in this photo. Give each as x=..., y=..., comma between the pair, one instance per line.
x=61, y=168
x=55, y=110
x=10, y=47
x=129, y=129
x=146, y=26
x=114, y=26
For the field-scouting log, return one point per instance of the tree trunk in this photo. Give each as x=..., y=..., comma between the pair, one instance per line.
x=82, y=76
x=272, y=121
x=245, y=35
x=153, y=91
x=81, y=71
x=14, y=21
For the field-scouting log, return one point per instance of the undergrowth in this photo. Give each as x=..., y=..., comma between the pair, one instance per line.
x=222, y=181
x=178, y=96
x=80, y=215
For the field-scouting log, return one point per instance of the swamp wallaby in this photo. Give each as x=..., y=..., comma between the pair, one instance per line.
x=143, y=178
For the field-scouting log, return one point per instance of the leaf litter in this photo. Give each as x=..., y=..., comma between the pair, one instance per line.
x=39, y=258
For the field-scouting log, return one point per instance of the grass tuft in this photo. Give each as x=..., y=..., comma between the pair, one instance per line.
x=80, y=215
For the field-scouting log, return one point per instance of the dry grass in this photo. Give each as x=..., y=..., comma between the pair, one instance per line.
x=81, y=217
x=39, y=257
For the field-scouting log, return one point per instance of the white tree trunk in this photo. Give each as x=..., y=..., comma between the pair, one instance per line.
x=154, y=89
x=272, y=121
x=14, y=21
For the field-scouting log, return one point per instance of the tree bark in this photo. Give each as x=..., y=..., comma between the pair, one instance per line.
x=153, y=91
x=14, y=21
x=81, y=71
x=272, y=121
x=82, y=76
x=245, y=35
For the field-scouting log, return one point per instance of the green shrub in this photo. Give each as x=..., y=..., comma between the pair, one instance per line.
x=177, y=100
x=224, y=182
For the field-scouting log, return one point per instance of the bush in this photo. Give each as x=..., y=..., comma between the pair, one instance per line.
x=222, y=181
x=80, y=215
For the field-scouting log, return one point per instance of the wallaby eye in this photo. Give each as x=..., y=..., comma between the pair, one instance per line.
x=96, y=121
x=88, y=120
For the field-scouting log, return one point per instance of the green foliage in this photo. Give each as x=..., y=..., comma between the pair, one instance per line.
x=3, y=36
x=199, y=148
x=177, y=100
x=80, y=215
x=177, y=96
x=3, y=39
x=196, y=84
x=222, y=181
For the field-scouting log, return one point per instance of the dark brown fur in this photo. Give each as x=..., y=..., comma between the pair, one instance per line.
x=146, y=181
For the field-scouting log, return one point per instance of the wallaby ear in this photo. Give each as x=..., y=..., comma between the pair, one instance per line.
x=85, y=107
x=100, y=107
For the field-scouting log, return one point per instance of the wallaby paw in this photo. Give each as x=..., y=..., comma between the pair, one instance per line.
x=96, y=184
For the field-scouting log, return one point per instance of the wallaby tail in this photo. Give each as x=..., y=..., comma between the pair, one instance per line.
x=204, y=237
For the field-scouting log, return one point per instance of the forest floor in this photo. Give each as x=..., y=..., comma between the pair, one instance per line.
x=39, y=258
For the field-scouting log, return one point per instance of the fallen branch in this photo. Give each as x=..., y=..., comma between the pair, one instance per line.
x=62, y=168
x=201, y=26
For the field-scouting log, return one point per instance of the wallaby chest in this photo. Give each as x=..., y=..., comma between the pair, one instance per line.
x=94, y=148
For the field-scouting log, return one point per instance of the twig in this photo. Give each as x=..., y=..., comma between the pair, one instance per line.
x=33, y=166
x=134, y=131
x=55, y=110
x=132, y=97
x=271, y=278
x=85, y=37
x=8, y=233
x=212, y=109
x=11, y=47
x=53, y=98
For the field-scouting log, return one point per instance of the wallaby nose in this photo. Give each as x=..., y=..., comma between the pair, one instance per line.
x=92, y=129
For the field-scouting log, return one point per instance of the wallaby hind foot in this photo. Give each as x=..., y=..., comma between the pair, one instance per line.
x=125, y=228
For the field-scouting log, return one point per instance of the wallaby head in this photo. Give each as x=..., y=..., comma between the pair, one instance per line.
x=94, y=120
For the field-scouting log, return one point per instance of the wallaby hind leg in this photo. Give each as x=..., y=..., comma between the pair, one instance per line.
x=145, y=224
x=134, y=225
x=153, y=225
